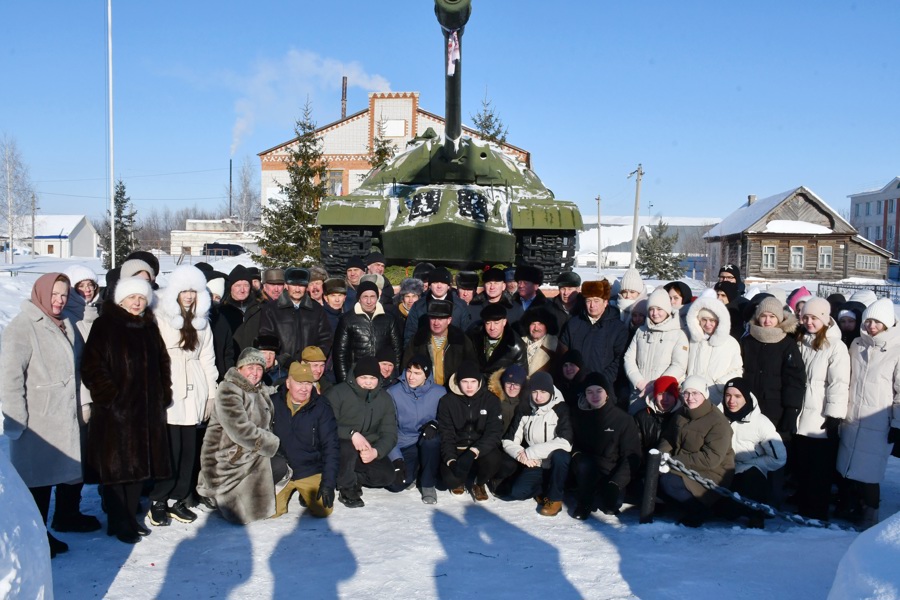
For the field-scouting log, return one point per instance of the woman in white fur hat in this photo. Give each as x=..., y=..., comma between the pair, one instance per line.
x=182, y=317
x=872, y=425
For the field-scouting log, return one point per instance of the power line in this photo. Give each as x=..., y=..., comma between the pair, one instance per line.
x=132, y=199
x=130, y=176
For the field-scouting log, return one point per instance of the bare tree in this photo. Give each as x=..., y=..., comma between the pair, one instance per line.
x=15, y=185
x=156, y=225
x=245, y=203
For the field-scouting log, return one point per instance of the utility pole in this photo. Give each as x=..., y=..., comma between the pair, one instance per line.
x=112, y=186
x=230, y=213
x=599, y=246
x=639, y=172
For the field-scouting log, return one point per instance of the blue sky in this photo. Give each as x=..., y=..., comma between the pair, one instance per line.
x=717, y=100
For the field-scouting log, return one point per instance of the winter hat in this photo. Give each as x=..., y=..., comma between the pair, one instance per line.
x=541, y=381
x=375, y=278
x=568, y=279
x=317, y=273
x=682, y=289
x=204, y=266
x=149, y=258
x=367, y=365
x=509, y=274
x=742, y=386
x=422, y=271
x=779, y=294
x=770, y=305
x=733, y=270
x=730, y=289
x=696, y=382
x=385, y=354
x=367, y=286
x=468, y=370
x=216, y=286
x=440, y=275
x=467, y=280
x=881, y=310
x=631, y=280
x=335, y=285
x=539, y=315
x=375, y=257
x=493, y=274
x=514, y=374
x=301, y=372
x=421, y=360
x=574, y=357
x=267, y=342
x=273, y=276
x=79, y=273
x=493, y=311
x=836, y=301
x=660, y=299
x=184, y=278
x=132, y=267
x=255, y=274
x=818, y=307
x=127, y=286
x=867, y=297
x=596, y=289
x=599, y=379
x=251, y=356
x=296, y=276
x=411, y=285
x=356, y=263
x=666, y=383
x=795, y=297
x=312, y=354
x=239, y=273
x=844, y=312
x=440, y=309
x=530, y=274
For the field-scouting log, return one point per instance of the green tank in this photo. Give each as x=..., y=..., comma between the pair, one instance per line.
x=456, y=201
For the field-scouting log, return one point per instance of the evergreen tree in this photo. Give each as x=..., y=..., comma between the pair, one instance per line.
x=655, y=257
x=488, y=123
x=125, y=229
x=289, y=232
x=382, y=150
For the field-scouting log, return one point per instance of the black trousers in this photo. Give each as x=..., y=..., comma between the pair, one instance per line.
x=353, y=473
x=182, y=450
x=122, y=501
x=589, y=478
x=814, y=467
x=485, y=466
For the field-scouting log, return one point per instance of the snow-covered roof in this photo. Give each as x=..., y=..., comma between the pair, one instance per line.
x=783, y=226
x=53, y=225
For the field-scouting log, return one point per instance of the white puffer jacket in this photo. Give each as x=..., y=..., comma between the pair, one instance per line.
x=756, y=443
x=543, y=429
x=716, y=357
x=827, y=382
x=655, y=350
x=874, y=406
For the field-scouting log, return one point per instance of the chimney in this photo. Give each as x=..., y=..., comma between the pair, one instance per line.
x=751, y=199
x=344, y=98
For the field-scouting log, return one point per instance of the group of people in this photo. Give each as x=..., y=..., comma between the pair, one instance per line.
x=238, y=390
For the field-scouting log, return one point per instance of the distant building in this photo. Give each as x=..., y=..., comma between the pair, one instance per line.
x=876, y=215
x=200, y=234
x=794, y=235
x=63, y=236
x=346, y=143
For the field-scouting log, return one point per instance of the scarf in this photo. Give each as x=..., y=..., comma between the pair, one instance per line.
x=41, y=294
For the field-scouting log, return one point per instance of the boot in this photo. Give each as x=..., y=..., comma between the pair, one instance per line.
x=159, y=514
x=429, y=495
x=869, y=517
x=582, y=512
x=350, y=501
x=56, y=546
x=551, y=508
x=181, y=512
x=479, y=493
x=67, y=517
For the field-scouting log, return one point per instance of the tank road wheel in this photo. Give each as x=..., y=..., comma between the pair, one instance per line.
x=551, y=251
x=338, y=244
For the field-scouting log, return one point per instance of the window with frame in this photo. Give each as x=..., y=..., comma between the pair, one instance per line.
x=867, y=262
x=868, y=208
x=878, y=232
x=856, y=210
x=335, y=183
x=868, y=235
x=891, y=206
x=768, y=258
x=826, y=258
x=797, y=257
x=878, y=207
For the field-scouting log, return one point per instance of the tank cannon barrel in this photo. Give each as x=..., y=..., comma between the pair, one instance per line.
x=452, y=16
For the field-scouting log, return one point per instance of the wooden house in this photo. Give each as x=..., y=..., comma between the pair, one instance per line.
x=794, y=235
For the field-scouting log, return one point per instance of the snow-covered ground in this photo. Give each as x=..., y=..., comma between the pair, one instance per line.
x=397, y=547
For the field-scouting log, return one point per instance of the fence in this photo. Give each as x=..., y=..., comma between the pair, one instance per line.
x=846, y=289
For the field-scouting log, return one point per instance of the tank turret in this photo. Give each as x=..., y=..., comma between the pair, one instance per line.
x=457, y=201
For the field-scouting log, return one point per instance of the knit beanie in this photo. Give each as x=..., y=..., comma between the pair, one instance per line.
x=149, y=258
x=881, y=310
x=79, y=273
x=574, y=357
x=468, y=370
x=664, y=384
x=598, y=379
x=770, y=305
x=132, y=267
x=127, y=286
x=366, y=286
x=818, y=307
x=698, y=383
x=385, y=354
x=742, y=386
x=541, y=381
x=421, y=360
x=867, y=297
x=367, y=365
x=729, y=288
x=631, y=280
x=251, y=356
x=660, y=299
x=514, y=374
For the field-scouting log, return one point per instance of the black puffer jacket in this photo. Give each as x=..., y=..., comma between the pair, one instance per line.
x=602, y=344
x=510, y=350
x=459, y=348
x=244, y=320
x=360, y=335
x=479, y=301
x=610, y=435
x=297, y=328
x=469, y=421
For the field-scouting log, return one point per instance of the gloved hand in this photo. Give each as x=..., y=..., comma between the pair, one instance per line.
x=664, y=463
x=463, y=464
x=399, y=471
x=429, y=430
x=832, y=427
x=326, y=496
x=893, y=435
x=788, y=423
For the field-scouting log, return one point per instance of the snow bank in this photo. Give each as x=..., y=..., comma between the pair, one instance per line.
x=869, y=568
x=24, y=553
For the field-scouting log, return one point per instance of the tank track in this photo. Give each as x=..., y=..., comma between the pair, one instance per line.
x=551, y=251
x=339, y=244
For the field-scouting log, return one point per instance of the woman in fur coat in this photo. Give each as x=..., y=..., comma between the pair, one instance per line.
x=126, y=368
x=182, y=316
x=235, y=465
x=39, y=395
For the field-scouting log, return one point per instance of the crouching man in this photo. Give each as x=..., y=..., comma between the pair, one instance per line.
x=305, y=424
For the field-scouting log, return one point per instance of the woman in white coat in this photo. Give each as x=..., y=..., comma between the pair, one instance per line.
x=814, y=446
x=872, y=425
x=714, y=353
x=659, y=347
x=758, y=448
x=182, y=316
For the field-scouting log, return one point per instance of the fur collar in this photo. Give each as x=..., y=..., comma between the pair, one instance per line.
x=773, y=335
